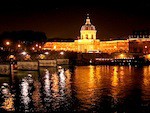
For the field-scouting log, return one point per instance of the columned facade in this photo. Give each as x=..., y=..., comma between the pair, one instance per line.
x=88, y=31
x=87, y=42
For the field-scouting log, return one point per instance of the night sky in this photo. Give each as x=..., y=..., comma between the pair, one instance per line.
x=112, y=18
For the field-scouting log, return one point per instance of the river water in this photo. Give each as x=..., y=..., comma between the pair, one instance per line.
x=103, y=89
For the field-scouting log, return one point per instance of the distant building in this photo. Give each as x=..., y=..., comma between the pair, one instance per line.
x=138, y=42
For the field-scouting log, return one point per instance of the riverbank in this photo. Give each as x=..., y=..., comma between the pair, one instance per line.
x=75, y=58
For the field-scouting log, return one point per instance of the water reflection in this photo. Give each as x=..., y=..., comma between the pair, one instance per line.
x=110, y=88
x=46, y=89
x=37, y=101
x=107, y=89
x=87, y=86
x=7, y=98
x=47, y=83
x=146, y=87
x=55, y=89
x=26, y=87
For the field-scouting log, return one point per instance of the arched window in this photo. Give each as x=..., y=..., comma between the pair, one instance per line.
x=86, y=36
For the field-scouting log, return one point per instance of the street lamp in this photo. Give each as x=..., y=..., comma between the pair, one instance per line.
x=11, y=58
x=7, y=43
x=33, y=48
x=36, y=45
x=62, y=53
x=24, y=53
x=19, y=45
x=46, y=53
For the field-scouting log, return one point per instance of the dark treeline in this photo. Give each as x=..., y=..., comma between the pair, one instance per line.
x=23, y=35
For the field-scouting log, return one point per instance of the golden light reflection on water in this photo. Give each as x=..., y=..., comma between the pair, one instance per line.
x=146, y=83
x=146, y=78
x=117, y=80
x=8, y=97
x=36, y=96
x=68, y=82
x=61, y=88
x=115, y=76
x=8, y=104
x=87, y=84
x=121, y=80
x=92, y=82
x=91, y=77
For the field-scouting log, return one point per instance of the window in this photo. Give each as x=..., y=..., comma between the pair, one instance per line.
x=86, y=36
x=92, y=37
x=82, y=36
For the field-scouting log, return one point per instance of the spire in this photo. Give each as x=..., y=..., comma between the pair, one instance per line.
x=88, y=20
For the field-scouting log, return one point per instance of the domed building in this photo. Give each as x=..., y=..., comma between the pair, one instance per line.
x=88, y=30
x=88, y=43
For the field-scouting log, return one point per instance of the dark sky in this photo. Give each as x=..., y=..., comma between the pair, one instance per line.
x=112, y=18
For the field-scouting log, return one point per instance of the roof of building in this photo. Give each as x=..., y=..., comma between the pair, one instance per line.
x=88, y=25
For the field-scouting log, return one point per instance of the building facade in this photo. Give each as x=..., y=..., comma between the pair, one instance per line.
x=139, y=42
x=87, y=42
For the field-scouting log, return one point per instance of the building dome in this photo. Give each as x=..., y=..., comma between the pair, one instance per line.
x=88, y=25
x=88, y=30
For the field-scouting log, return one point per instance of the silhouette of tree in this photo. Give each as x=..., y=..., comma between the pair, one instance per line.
x=23, y=35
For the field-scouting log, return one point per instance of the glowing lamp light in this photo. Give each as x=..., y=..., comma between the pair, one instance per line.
x=62, y=53
x=90, y=61
x=27, y=57
x=46, y=53
x=121, y=56
x=7, y=43
x=148, y=56
x=33, y=48
x=36, y=45
x=11, y=57
x=24, y=53
x=145, y=46
x=115, y=47
x=19, y=45
x=42, y=56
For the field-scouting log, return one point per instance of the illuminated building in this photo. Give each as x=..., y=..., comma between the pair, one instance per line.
x=114, y=46
x=88, y=43
x=140, y=42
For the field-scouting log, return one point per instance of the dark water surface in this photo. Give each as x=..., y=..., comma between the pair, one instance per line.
x=103, y=89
